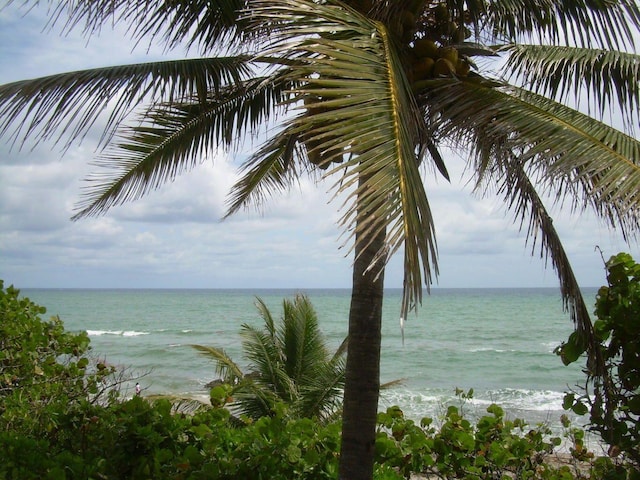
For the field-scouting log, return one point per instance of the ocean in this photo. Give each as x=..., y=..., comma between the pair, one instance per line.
x=498, y=342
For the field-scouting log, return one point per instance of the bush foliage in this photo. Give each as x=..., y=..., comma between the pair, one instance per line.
x=612, y=398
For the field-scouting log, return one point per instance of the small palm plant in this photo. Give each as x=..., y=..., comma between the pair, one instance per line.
x=288, y=363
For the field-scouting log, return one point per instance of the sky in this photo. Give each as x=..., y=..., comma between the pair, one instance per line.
x=174, y=237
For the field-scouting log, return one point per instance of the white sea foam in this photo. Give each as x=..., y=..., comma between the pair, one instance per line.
x=133, y=333
x=522, y=399
x=123, y=333
x=488, y=349
x=518, y=402
x=97, y=333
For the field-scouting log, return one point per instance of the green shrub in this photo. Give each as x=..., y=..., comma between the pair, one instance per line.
x=45, y=372
x=612, y=398
x=494, y=447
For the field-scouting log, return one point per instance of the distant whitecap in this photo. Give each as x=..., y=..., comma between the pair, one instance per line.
x=97, y=333
x=128, y=333
x=133, y=333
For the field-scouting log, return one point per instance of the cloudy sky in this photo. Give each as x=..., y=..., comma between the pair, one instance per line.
x=174, y=238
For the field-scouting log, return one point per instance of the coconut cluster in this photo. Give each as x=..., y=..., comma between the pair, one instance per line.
x=434, y=54
x=431, y=60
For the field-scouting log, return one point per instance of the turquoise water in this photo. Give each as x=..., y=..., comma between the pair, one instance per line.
x=497, y=341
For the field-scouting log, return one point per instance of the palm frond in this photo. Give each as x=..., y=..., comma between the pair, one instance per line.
x=173, y=139
x=289, y=364
x=67, y=105
x=583, y=152
x=571, y=154
x=607, y=24
x=320, y=394
x=225, y=366
x=200, y=23
x=358, y=113
x=267, y=317
x=267, y=359
x=392, y=383
x=205, y=24
x=342, y=349
x=269, y=170
x=606, y=77
x=300, y=339
x=253, y=400
x=322, y=390
x=572, y=149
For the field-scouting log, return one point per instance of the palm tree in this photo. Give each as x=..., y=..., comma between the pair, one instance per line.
x=367, y=93
x=289, y=363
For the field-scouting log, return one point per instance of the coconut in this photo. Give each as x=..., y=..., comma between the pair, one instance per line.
x=449, y=53
x=443, y=68
x=423, y=68
x=420, y=85
x=425, y=47
x=451, y=28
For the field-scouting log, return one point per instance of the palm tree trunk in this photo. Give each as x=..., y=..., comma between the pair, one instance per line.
x=362, y=376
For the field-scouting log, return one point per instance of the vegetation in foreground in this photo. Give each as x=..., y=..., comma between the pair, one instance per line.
x=62, y=417
x=611, y=393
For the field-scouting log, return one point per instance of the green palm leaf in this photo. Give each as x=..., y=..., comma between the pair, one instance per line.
x=320, y=394
x=225, y=366
x=267, y=317
x=204, y=24
x=587, y=153
x=271, y=169
x=323, y=391
x=570, y=154
x=185, y=405
x=200, y=23
x=67, y=105
x=606, y=77
x=604, y=23
x=289, y=364
x=300, y=339
x=569, y=149
x=266, y=358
